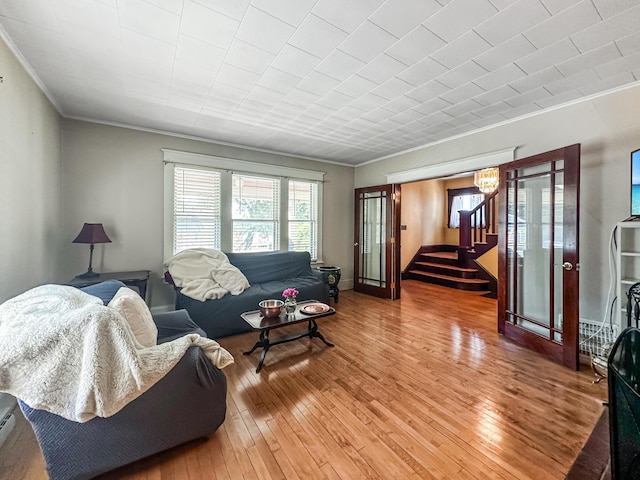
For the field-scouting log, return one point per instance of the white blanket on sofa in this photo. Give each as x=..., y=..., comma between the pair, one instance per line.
x=204, y=273
x=63, y=351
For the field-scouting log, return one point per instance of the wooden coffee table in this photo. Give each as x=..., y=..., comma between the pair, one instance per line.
x=265, y=325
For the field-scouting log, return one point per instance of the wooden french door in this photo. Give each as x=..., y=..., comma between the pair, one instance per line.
x=538, y=253
x=376, y=244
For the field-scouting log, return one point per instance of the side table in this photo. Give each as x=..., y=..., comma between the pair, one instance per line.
x=138, y=279
x=331, y=276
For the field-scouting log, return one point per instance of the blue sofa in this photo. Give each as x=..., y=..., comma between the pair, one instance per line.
x=187, y=403
x=268, y=273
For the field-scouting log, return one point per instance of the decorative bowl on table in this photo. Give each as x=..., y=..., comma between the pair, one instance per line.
x=270, y=308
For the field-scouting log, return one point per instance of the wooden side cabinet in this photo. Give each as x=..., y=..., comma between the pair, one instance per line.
x=138, y=279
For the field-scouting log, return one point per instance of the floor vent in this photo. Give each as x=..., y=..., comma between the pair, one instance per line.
x=593, y=335
x=6, y=425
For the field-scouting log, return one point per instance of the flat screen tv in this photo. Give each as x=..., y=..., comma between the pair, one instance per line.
x=635, y=183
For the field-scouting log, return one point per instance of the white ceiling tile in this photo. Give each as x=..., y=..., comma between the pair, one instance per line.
x=431, y=106
x=381, y=69
x=465, y=73
x=339, y=65
x=462, y=93
x=265, y=95
x=491, y=110
x=428, y=91
x=422, y=72
x=300, y=98
x=376, y=115
x=346, y=15
x=568, y=22
x=264, y=31
x=96, y=17
x=368, y=102
x=278, y=80
x=415, y=46
x=460, y=50
x=629, y=44
x=199, y=78
x=551, y=55
x=407, y=117
x=495, y=95
x=317, y=37
x=458, y=17
x=464, y=120
x=356, y=86
x=199, y=52
x=37, y=14
x=248, y=57
x=294, y=61
x=529, y=97
x=401, y=103
x=392, y=88
x=318, y=83
x=502, y=4
x=289, y=11
x=559, y=99
x=556, y=6
x=608, y=83
x=142, y=46
x=367, y=42
x=507, y=74
x=231, y=93
x=237, y=77
x=188, y=91
x=507, y=52
x=399, y=17
x=149, y=20
x=543, y=77
x=609, y=8
x=616, y=67
x=174, y=6
x=575, y=81
x=591, y=59
x=206, y=25
x=231, y=8
x=513, y=20
x=609, y=30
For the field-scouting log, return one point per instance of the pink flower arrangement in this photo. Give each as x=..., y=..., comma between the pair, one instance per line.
x=290, y=293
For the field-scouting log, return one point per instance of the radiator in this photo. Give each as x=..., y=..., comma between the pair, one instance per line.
x=6, y=425
x=593, y=335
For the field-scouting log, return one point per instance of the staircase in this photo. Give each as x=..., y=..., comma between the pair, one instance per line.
x=439, y=264
x=454, y=266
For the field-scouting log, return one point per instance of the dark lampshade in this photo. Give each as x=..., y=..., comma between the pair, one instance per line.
x=91, y=233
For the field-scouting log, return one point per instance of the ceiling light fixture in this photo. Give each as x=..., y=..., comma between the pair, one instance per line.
x=486, y=180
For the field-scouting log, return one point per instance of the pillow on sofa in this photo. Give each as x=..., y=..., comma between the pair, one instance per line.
x=132, y=307
x=105, y=291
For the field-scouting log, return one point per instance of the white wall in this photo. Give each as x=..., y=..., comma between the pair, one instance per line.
x=607, y=127
x=29, y=181
x=115, y=176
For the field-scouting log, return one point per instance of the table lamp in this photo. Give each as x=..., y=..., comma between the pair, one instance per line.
x=91, y=233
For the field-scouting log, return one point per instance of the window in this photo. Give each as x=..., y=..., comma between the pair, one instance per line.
x=462, y=199
x=236, y=211
x=255, y=213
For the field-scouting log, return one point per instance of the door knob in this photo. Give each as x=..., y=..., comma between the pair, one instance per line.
x=567, y=266
x=356, y=244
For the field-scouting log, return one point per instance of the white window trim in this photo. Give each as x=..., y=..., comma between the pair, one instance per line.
x=176, y=157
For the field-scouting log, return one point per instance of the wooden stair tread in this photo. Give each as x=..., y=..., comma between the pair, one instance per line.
x=448, y=267
x=449, y=255
x=450, y=278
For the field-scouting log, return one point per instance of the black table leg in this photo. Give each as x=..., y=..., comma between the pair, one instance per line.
x=265, y=344
x=313, y=332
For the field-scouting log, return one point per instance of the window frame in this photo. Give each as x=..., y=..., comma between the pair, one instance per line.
x=227, y=167
x=457, y=192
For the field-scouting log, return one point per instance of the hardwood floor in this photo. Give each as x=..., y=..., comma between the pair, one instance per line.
x=418, y=388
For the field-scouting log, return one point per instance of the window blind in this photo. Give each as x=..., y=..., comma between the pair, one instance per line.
x=196, y=208
x=303, y=220
x=255, y=213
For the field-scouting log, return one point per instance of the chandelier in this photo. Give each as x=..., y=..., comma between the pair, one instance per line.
x=487, y=179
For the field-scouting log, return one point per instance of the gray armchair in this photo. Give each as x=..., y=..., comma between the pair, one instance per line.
x=188, y=403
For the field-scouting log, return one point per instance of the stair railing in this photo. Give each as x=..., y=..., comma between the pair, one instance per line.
x=477, y=223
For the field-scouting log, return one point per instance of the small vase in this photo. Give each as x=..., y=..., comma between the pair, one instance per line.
x=290, y=305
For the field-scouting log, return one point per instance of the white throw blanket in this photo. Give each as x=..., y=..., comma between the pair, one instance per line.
x=204, y=273
x=63, y=351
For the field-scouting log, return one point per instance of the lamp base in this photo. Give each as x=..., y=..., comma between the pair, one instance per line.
x=88, y=274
